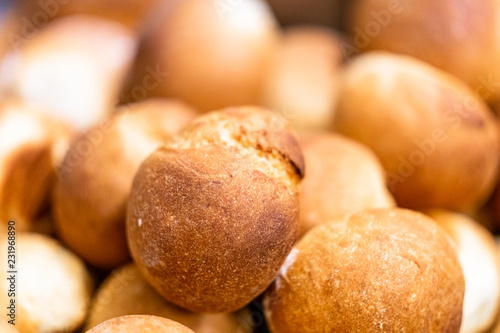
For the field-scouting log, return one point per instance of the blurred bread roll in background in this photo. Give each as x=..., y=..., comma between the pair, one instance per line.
x=437, y=141
x=480, y=260
x=140, y=324
x=209, y=53
x=126, y=292
x=387, y=270
x=342, y=177
x=212, y=215
x=53, y=287
x=90, y=201
x=31, y=147
x=458, y=36
x=73, y=68
x=302, y=80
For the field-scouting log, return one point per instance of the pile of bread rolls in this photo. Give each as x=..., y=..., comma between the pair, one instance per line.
x=250, y=166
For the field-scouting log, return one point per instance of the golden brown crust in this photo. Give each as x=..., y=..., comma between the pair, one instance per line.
x=207, y=229
x=389, y=270
x=302, y=80
x=213, y=214
x=456, y=36
x=126, y=292
x=209, y=54
x=437, y=141
x=342, y=177
x=95, y=178
x=140, y=324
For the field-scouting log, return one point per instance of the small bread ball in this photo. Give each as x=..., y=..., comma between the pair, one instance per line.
x=213, y=215
x=53, y=286
x=437, y=141
x=209, y=53
x=343, y=177
x=388, y=270
x=73, y=68
x=31, y=146
x=96, y=175
x=126, y=292
x=457, y=36
x=140, y=324
x=480, y=260
x=302, y=80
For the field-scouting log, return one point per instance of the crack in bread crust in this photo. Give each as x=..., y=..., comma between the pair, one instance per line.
x=250, y=131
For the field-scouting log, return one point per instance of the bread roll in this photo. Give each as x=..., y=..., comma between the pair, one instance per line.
x=96, y=175
x=342, y=177
x=212, y=216
x=126, y=292
x=480, y=262
x=31, y=146
x=53, y=286
x=302, y=80
x=438, y=143
x=140, y=324
x=457, y=36
x=209, y=53
x=73, y=68
x=388, y=270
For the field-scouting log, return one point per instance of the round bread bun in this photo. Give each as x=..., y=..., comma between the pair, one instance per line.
x=5, y=327
x=126, y=292
x=140, y=324
x=302, y=80
x=96, y=175
x=438, y=143
x=53, y=286
x=317, y=12
x=387, y=270
x=342, y=177
x=73, y=68
x=209, y=53
x=31, y=146
x=457, y=36
x=212, y=217
x=480, y=260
